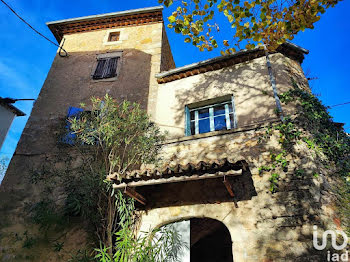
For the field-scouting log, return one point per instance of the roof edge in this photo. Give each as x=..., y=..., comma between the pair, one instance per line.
x=298, y=47
x=12, y=108
x=204, y=62
x=107, y=15
x=221, y=58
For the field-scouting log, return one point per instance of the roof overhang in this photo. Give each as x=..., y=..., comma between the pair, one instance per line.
x=179, y=173
x=289, y=49
x=175, y=173
x=109, y=20
x=11, y=108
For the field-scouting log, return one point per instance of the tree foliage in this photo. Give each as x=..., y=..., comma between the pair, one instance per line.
x=122, y=138
x=122, y=133
x=160, y=245
x=108, y=137
x=253, y=22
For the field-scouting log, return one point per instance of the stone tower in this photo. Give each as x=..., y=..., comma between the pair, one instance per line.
x=116, y=53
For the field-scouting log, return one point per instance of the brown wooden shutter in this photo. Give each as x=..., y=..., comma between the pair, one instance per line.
x=99, y=69
x=111, y=68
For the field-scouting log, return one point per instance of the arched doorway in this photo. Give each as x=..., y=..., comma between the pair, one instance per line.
x=206, y=239
x=210, y=241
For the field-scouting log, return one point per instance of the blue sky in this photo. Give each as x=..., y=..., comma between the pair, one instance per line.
x=26, y=57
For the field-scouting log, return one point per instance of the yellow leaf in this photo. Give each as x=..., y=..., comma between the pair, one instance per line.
x=172, y=19
x=225, y=43
x=233, y=50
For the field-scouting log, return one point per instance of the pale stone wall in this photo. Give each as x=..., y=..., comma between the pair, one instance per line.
x=265, y=227
x=69, y=83
x=167, y=61
x=248, y=82
x=6, y=118
x=146, y=38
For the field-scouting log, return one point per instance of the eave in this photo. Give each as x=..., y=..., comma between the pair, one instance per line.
x=288, y=49
x=110, y=20
x=179, y=173
x=11, y=108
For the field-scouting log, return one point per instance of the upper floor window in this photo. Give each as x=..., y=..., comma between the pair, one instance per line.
x=213, y=117
x=107, y=66
x=113, y=36
x=69, y=137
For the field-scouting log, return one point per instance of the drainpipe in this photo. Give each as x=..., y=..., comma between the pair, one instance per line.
x=273, y=84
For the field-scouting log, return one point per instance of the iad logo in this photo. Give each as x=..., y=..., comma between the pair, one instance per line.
x=333, y=234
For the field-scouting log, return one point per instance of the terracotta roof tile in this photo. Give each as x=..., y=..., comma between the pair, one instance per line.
x=179, y=170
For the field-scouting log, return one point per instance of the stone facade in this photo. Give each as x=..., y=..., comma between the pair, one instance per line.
x=263, y=226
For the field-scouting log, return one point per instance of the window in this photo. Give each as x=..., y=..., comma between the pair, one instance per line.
x=215, y=117
x=69, y=137
x=106, y=68
x=113, y=36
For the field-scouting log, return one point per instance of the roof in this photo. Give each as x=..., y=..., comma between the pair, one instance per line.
x=109, y=20
x=289, y=49
x=176, y=172
x=4, y=102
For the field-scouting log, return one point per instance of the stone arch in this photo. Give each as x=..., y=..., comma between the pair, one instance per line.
x=224, y=212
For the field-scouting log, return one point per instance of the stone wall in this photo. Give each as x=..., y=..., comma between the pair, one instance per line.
x=167, y=61
x=6, y=118
x=248, y=82
x=264, y=226
x=70, y=83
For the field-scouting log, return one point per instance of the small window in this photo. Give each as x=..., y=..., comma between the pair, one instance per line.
x=215, y=117
x=69, y=137
x=113, y=37
x=106, y=68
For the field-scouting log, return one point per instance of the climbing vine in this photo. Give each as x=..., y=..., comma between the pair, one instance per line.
x=313, y=125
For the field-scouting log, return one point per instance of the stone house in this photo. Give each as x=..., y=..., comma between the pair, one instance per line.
x=7, y=113
x=215, y=112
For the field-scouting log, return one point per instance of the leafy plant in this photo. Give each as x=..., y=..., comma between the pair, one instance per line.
x=109, y=140
x=274, y=182
x=255, y=22
x=264, y=168
x=315, y=127
x=122, y=138
x=300, y=172
x=81, y=256
x=160, y=245
x=45, y=214
x=28, y=241
x=57, y=246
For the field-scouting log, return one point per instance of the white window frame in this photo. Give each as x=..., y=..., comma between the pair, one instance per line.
x=211, y=117
x=122, y=36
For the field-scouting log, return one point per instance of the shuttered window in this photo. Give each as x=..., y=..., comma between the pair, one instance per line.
x=106, y=68
x=69, y=137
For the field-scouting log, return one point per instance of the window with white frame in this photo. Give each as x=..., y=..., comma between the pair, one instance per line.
x=214, y=117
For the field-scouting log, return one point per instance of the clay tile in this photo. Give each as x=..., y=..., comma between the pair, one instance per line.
x=182, y=75
x=209, y=68
x=217, y=66
x=188, y=73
